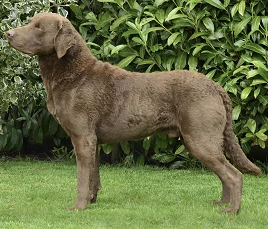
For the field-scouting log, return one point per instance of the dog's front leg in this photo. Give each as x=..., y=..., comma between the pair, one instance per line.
x=85, y=148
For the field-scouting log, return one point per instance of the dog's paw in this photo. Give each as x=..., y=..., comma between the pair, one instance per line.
x=230, y=211
x=220, y=202
x=93, y=199
x=78, y=206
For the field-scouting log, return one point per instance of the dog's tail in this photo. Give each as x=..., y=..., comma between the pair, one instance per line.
x=231, y=145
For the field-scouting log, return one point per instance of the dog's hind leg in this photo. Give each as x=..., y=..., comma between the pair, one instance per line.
x=225, y=194
x=96, y=178
x=225, y=187
x=208, y=150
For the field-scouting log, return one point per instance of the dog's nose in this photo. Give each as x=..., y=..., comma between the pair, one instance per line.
x=10, y=33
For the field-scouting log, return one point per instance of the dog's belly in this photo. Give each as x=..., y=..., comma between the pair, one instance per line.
x=134, y=128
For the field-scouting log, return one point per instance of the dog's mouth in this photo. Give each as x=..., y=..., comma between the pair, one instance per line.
x=19, y=47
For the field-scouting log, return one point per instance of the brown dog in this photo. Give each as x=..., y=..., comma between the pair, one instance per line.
x=97, y=102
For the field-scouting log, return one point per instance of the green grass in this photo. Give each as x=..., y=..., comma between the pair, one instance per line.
x=36, y=195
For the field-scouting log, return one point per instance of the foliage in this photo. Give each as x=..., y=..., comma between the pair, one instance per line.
x=63, y=153
x=225, y=40
x=23, y=114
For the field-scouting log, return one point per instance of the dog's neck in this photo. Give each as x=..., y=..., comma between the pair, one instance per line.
x=57, y=72
x=50, y=64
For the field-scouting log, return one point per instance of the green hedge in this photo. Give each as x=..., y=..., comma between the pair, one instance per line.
x=226, y=40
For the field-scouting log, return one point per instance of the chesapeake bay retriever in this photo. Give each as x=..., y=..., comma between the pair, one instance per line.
x=97, y=102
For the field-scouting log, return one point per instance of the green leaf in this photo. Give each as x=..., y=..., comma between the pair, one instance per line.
x=255, y=48
x=125, y=147
x=45, y=121
x=160, y=15
x=211, y=73
x=261, y=143
x=161, y=142
x=91, y=18
x=252, y=73
x=172, y=14
x=245, y=93
x=117, y=49
x=259, y=64
x=149, y=69
x=263, y=73
x=180, y=62
x=263, y=99
x=145, y=21
x=208, y=23
x=249, y=135
x=164, y=158
x=76, y=9
x=240, y=69
x=26, y=127
x=12, y=139
x=159, y=2
x=240, y=26
x=234, y=9
x=242, y=7
x=198, y=48
x=198, y=34
x=215, y=3
x=226, y=3
x=107, y=148
x=257, y=82
x=251, y=124
x=236, y=112
x=38, y=135
x=146, y=61
x=112, y=1
x=257, y=92
x=138, y=40
x=132, y=26
x=172, y=38
x=255, y=23
x=140, y=160
x=263, y=119
x=180, y=150
x=152, y=29
x=158, y=58
x=261, y=136
x=192, y=62
x=126, y=61
x=19, y=143
x=53, y=126
x=265, y=23
x=146, y=143
x=119, y=21
x=167, y=64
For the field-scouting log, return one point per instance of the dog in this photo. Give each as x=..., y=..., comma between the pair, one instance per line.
x=96, y=102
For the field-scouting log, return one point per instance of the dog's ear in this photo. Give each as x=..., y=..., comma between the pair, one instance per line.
x=64, y=38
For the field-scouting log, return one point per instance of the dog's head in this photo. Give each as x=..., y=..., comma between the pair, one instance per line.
x=45, y=33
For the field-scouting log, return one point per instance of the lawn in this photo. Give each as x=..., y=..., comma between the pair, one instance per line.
x=36, y=195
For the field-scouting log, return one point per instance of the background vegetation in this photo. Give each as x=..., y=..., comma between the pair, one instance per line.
x=226, y=40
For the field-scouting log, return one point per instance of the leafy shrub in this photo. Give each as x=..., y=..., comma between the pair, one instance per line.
x=23, y=114
x=225, y=40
